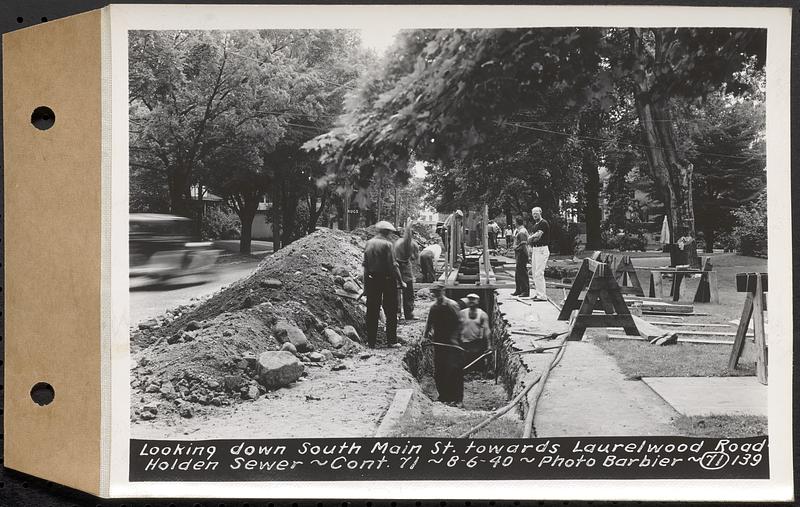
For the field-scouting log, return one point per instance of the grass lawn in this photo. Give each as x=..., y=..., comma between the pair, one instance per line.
x=726, y=265
x=640, y=359
x=722, y=426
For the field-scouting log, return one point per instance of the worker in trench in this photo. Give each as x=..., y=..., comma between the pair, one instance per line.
x=443, y=328
x=475, y=331
x=381, y=280
x=406, y=252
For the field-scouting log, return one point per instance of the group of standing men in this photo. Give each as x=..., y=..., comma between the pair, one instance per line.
x=531, y=247
x=456, y=334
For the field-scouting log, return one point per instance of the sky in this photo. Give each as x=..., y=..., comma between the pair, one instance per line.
x=379, y=37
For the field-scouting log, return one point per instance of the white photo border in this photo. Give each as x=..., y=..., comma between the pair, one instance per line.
x=777, y=21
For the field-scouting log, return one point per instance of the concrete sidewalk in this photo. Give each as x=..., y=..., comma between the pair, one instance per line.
x=586, y=394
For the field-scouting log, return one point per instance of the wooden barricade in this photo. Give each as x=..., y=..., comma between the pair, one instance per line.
x=707, y=290
x=626, y=277
x=755, y=285
x=601, y=287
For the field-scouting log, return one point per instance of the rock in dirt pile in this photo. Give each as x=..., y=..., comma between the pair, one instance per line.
x=298, y=309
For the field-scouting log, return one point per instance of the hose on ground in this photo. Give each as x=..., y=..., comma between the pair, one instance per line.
x=528, y=427
x=499, y=412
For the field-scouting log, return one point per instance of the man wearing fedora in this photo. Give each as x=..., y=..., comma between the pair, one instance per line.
x=381, y=280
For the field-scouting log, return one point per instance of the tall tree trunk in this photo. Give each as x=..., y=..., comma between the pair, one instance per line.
x=396, y=208
x=315, y=213
x=591, y=190
x=276, y=215
x=671, y=175
x=245, y=240
x=380, y=198
x=509, y=218
x=709, y=235
x=247, y=212
x=348, y=193
x=289, y=208
x=180, y=192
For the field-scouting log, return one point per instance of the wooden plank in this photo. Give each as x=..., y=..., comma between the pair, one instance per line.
x=711, y=333
x=758, y=326
x=571, y=302
x=688, y=324
x=605, y=320
x=713, y=287
x=676, y=314
x=680, y=340
x=707, y=333
x=741, y=331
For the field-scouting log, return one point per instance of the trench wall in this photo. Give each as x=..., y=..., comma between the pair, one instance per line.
x=510, y=366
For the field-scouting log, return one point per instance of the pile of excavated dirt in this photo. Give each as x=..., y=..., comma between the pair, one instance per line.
x=420, y=233
x=208, y=354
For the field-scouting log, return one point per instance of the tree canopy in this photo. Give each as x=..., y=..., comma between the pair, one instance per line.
x=447, y=95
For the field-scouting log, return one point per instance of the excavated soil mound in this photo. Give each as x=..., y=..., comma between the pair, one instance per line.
x=420, y=233
x=207, y=354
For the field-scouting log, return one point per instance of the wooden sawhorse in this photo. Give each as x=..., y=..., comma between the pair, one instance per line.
x=755, y=285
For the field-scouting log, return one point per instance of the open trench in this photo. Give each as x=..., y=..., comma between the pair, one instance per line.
x=487, y=387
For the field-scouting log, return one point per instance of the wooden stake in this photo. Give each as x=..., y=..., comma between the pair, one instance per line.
x=758, y=327
x=741, y=331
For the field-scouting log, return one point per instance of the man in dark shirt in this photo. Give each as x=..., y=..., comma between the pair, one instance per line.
x=540, y=252
x=523, y=287
x=444, y=330
x=381, y=279
x=406, y=252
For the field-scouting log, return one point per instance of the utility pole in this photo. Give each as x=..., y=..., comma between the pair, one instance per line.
x=348, y=189
x=380, y=195
x=396, y=207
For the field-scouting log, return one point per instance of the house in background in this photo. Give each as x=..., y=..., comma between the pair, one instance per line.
x=262, y=222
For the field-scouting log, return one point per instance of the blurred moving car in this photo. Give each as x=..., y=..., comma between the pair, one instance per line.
x=161, y=251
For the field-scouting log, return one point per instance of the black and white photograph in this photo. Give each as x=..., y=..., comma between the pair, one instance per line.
x=512, y=234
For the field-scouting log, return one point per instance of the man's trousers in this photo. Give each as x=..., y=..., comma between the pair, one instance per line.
x=381, y=291
x=539, y=257
x=521, y=273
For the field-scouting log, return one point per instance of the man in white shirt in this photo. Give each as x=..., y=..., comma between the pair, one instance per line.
x=540, y=252
x=475, y=330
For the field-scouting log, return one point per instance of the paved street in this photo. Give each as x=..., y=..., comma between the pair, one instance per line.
x=150, y=302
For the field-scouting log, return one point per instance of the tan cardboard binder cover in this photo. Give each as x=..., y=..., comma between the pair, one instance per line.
x=53, y=250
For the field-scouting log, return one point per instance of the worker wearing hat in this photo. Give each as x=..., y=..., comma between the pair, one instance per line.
x=381, y=279
x=443, y=328
x=475, y=330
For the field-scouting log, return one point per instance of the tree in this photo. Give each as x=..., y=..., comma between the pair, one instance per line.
x=185, y=93
x=729, y=159
x=447, y=91
x=665, y=63
x=228, y=111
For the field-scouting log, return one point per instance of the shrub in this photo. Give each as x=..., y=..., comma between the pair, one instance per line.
x=221, y=223
x=728, y=241
x=751, y=227
x=631, y=239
